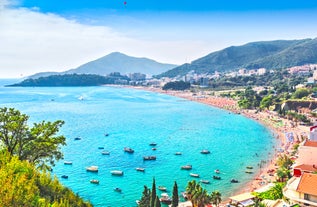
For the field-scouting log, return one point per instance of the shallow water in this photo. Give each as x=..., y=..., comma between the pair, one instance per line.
x=134, y=118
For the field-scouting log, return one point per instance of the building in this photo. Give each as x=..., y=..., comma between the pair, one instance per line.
x=302, y=189
x=307, y=153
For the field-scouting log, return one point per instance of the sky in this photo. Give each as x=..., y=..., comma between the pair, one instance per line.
x=58, y=35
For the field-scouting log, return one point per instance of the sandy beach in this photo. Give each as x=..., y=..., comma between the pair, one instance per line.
x=280, y=127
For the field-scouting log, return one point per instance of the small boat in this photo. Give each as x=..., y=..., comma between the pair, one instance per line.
x=140, y=169
x=149, y=158
x=92, y=169
x=205, y=181
x=186, y=167
x=68, y=163
x=106, y=134
x=94, y=181
x=234, y=181
x=105, y=153
x=162, y=188
x=137, y=202
x=101, y=148
x=117, y=190
x=217, y=171
x=81, y=98
x=216, y=177
x=128, y=150
x=77, y=138
x=116, y=172
x=248, y=171
x=178, y=153
x=184, y=194
x=194, y=175
x=205, y=151
x=153, y=144
x=153, y=148
x=249, y=167
x=165, y=199
x=64, y=176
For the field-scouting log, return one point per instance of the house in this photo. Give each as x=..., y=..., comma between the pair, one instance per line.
x=302, y=189
x=301, y=169
x=307, y=153
x=245, y=199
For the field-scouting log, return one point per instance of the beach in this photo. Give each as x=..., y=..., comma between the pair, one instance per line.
x=280, y=128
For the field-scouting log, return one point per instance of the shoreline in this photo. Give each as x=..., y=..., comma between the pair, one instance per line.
x=277, y=125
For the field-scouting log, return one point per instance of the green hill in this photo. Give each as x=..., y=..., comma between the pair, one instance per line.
x=267, y=54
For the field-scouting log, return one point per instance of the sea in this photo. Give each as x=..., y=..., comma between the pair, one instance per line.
x=113, y=118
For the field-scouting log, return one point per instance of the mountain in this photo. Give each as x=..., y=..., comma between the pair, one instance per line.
x=267, y=54
x=115, y=62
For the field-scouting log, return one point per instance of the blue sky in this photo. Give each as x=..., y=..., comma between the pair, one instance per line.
x=57, y=35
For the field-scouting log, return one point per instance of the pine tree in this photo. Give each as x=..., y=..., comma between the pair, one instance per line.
x=157, y=202
x=146, y=197
x=175, y=195
x=153, y=193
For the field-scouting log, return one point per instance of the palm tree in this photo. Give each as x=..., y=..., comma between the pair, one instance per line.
x=201, y=197
x=190, y=189
x=216, y=197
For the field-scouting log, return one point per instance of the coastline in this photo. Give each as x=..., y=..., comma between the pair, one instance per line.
x=277, y=125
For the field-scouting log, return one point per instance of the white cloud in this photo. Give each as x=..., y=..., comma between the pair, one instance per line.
x=35, y=42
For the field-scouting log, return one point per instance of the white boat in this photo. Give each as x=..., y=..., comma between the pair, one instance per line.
x=205, y=181
x=178, y=153
x=105, y=153
x=68, y=163
x=92, y=169
x=116, y=172
x=94, y=181
x=194, y=175
x=217, y=171
x=205, y=151
x=187, y=167
x=140, y=169
x=162, y=188
x=165, y=199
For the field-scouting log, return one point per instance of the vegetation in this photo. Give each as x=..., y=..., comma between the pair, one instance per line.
x=23, y=185
x=146, y=197
x=177, y=85
x=38, y=145
x=274, y=193
x=175, y=197
x=73, y=80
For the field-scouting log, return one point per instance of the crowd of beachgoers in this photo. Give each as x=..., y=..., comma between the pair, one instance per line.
x=280, y=127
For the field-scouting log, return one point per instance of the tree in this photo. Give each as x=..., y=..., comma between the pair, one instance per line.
x=175, y=195
x=216, y=197
x=38, y=144
x=153, y=194
x=146, y=197
x=190, y=189
x=300, y=93
x=201, y=197
x=266, y=102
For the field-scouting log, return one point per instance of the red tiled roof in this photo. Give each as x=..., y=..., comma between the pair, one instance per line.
x=307, y=168
x=307, y=184
x=310, y=143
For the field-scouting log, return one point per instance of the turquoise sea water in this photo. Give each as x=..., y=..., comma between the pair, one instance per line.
x=134, y=119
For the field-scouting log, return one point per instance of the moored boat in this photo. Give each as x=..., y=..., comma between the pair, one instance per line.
x=105, y=153
x=162, y=188
x=92, y=169
x=217, y=171
x=100, y=147
x=205, y=181
x=249, y=167
x=149, y=157
x=153, y=144
x=117, y=190
x=165, y=199
x=128, y=150
x=94, y=181
x=116, y=172
x=68, y=163
x=248, y=171
x=194, y=175
x=178, y=153
x=216, y=177
x=205, y=151
x=64, y=176
x=186, y=167
x=234, y=181
x=77, y=138
x=140, y=169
